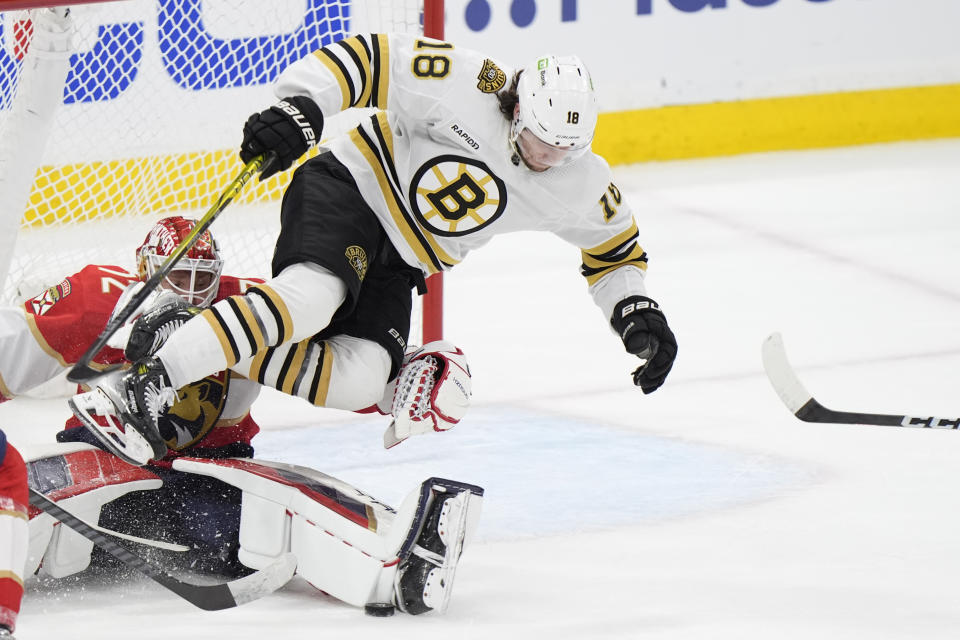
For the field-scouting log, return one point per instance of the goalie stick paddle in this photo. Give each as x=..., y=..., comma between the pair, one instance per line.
x=803, y=405
x=82, y=371
x=212, y=597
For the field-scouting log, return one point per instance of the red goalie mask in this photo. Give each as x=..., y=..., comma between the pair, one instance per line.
x=196, y=277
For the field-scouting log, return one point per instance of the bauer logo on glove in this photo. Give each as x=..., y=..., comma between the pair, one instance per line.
x=287, y=129
x=643, y=328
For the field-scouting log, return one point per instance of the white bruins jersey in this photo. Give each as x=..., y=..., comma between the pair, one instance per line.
x=437, y=167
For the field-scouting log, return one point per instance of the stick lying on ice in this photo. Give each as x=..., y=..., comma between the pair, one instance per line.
x=209, y=597
x=803, y=405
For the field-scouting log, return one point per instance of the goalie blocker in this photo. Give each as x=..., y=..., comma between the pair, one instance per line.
x=346, y=543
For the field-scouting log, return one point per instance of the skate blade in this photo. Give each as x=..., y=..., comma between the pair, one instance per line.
x=126, y=444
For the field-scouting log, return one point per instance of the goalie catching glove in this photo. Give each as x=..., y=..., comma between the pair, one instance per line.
x=289, y=129
x=645, y=333
x=431, y=392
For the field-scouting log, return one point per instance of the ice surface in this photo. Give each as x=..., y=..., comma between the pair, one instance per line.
x=703, y=511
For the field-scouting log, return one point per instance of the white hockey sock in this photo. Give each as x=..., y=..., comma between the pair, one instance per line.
x=295, y=305
x=360, y=372
x=192, y=353
x=343, y=372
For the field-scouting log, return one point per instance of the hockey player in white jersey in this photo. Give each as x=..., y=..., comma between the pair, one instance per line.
x=462, y=148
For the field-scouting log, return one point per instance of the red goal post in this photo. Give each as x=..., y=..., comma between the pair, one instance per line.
x=130, y=110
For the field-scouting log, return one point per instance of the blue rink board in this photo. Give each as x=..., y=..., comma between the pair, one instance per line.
x=543, y=474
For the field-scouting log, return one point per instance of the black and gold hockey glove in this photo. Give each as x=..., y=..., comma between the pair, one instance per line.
x=153, y=328
x=288, y=128
x=645, y=333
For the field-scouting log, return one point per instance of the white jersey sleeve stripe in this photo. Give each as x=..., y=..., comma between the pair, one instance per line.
x=336, y=69
x=360, y=54
x=621, y=238
x=352, y=68
x=380, y=70
x=594, y=269
x=619, y=251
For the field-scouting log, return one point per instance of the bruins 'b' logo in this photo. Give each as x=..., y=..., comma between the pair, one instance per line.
x=357, y=258
x=491, y=78
x=453, y=195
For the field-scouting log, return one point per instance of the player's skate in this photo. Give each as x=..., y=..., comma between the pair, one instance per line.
x=424, y=580
x=129, y=404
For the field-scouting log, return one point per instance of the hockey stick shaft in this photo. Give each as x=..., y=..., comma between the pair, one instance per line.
x=805, y=407
x=82, y=371
x=208, y=597
x=158, y=544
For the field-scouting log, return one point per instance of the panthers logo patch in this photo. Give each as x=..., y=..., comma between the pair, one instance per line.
x=454, y=195
x=357, y=258
x=491, y=78
x=42, y=303
x=195, y=413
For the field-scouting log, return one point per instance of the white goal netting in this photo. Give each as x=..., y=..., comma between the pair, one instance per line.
x=128, y=111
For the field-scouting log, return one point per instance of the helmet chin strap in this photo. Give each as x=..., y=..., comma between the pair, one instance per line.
x=515, y=156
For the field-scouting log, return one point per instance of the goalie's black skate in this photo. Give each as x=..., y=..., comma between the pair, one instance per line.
x=425, y=578
x=129, y=404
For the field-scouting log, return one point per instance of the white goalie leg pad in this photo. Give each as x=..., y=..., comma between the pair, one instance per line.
x=431, y=393
x=81, y=479
x=337, y=532
x=347, y=543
